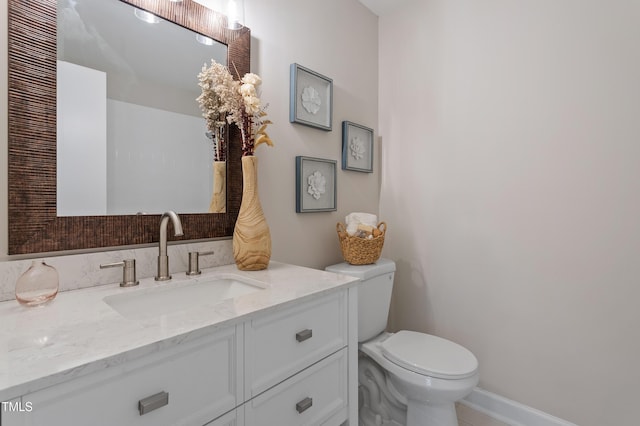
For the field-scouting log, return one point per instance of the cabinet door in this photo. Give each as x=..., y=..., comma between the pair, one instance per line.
x=317, y=395
x=233, y=418
x=200, y=379
x=279, y=345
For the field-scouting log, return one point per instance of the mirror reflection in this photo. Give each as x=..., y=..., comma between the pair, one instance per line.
x=131, y=137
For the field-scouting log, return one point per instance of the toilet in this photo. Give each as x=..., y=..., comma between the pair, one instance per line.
x=405, y=378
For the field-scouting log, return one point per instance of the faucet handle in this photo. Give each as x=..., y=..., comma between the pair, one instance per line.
x=128, y=271
x=194, y=268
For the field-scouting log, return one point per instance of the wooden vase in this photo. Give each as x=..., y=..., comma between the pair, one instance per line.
x=251, y=236
x=219, y=197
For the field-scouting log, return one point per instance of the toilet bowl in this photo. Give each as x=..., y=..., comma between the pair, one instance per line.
x=424, y=373
x=446, y=373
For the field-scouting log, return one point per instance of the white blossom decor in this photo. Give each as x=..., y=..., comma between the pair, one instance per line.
x=317, y=185
x=357, y=148
x=311, y=100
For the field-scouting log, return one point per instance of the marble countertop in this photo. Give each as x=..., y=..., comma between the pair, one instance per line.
x=78, y=333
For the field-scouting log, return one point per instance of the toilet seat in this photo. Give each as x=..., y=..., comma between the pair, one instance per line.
x=429, y=355
x=417, y=386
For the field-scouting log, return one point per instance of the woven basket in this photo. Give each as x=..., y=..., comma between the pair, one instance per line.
x=361, y=251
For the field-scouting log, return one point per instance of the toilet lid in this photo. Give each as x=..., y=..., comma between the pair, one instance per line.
x=429, y=355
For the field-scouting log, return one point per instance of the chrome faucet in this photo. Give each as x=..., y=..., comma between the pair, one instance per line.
x=163, y=259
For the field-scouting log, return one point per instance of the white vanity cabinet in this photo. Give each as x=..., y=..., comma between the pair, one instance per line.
x=292, y=365
x=281, y=344
x=199, y=380
x=296, y=364
x=315, y=396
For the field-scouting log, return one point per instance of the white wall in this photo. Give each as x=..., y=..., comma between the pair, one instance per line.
x=336, y=38
x=510, y=182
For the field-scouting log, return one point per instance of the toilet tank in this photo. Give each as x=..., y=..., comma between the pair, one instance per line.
x=374, y=294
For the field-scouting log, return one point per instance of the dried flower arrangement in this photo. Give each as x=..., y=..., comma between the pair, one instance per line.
x=217, y=86
x=236, y=101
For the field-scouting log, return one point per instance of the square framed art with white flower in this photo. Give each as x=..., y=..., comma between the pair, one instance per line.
x=316, y=185
x=310, y=98
x=357, y=147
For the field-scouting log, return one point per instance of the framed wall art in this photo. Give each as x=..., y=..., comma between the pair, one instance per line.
x=316, y=185
x=357, y=147
x=310, y=98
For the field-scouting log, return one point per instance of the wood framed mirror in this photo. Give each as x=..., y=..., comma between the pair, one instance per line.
x=34, y=226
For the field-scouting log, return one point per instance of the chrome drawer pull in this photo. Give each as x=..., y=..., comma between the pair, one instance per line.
x=153, y=402
x=304, y=405
x=303, y=335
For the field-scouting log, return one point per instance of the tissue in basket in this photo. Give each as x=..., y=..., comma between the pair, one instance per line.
x=361, y=251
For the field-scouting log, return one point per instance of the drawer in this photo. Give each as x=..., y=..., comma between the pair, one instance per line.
x=312, y=397
x=200, y=377
x=279, y=345
x=12, y=412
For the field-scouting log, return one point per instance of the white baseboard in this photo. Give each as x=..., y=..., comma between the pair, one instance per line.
x=510, y=412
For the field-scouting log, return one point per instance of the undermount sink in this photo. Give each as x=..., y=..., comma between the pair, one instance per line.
x=181, y=296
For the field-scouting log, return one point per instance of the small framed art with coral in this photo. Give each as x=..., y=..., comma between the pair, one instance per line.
x=316, y=185
x=311, y=97
x=357, y=147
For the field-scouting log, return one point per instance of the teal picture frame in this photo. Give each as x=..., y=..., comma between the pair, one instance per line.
x=310, y=98
x=357, y=147
x=316, y=185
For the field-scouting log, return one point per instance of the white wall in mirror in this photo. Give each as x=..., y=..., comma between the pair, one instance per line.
x=82, y=141
x=120, y=158
x=174, y=173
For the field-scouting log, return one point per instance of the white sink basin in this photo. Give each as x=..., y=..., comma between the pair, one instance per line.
x=184, y=295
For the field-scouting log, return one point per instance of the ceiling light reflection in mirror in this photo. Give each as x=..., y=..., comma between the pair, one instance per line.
x=145, y=16
x=145, y=149
x=233, y=9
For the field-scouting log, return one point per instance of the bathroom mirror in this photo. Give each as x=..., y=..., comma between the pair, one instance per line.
x=34, y=226
x=143, y=144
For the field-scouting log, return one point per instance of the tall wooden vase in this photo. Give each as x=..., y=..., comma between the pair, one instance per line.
x=219, y=196
x=251, y=236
